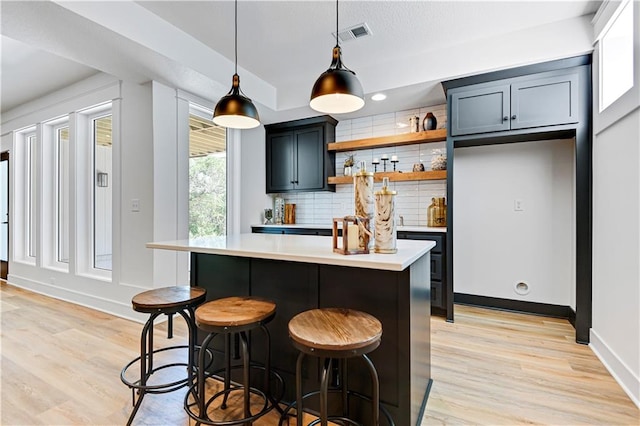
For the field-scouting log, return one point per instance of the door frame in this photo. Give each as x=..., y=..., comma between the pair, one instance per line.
x=4, y=265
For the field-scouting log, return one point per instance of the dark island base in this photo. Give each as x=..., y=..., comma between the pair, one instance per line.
x=400, y=300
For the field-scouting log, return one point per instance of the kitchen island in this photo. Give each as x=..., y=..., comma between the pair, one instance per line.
x=301, y=272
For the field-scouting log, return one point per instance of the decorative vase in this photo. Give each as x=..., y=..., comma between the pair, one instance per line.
x=278, y=210
x=385, y=224
x=429, y=122
x=363, y=193
x=348, y=170
x=439, y=159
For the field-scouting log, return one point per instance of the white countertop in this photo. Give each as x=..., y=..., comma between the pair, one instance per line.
x=313, y=226
x=299, y=248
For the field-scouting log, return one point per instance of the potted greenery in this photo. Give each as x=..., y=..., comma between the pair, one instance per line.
x=348, y=165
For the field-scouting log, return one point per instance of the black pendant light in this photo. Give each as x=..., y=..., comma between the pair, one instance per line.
x=337, y=90
x=235, y=110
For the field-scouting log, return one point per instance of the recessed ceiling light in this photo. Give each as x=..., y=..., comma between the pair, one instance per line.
x=379, y=97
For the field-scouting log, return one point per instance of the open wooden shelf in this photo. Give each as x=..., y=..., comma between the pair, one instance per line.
x=428, y=136
x=395, y=176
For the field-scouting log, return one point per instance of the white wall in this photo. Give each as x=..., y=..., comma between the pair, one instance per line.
x=615, y=333
x=166, y=161
x=5, y=144
x=495, y=247
x=253, y=175
x=136, y=182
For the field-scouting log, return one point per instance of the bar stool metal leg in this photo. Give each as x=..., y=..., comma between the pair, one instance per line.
x=146, y=365
x=375, y=393
x=227, y=370
x=202, y=375
x=191, y=350
x=345, y=391
x=170, y=326
x=299, y=412
x=324, y=390
x=246, y=375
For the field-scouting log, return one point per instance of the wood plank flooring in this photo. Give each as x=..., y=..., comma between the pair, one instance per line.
x=61, y=366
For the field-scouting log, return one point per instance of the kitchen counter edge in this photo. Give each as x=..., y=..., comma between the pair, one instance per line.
x=299, y=248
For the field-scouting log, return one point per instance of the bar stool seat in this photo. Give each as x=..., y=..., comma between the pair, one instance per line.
x=168, y=301
x=335, y=333
x=234, y=312
x=335, y=330
x=233, y=316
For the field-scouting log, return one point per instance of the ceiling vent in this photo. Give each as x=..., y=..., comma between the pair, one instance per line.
x=357, y=31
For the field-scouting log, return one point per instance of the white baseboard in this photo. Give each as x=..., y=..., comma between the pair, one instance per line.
x=89, y=301
x=629, y=382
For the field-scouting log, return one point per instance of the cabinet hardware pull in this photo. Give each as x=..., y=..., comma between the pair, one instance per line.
x=505, y=118
x=513, y=117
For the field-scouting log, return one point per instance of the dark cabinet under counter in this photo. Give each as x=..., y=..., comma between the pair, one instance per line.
x=441, y=294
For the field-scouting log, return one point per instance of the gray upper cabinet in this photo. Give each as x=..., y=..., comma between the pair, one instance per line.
x=545, y=99
x=297, y=158
x=480, y=110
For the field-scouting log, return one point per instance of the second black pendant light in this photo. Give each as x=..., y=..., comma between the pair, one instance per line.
x=234, y=110
x=337, y=90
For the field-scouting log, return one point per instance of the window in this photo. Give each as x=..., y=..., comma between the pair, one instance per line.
x=616, y=57
x=61, y=135
x=101, y=131
x=207, y=176
x=31, y=186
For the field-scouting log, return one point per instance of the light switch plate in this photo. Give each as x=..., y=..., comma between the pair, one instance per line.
x=518, y=205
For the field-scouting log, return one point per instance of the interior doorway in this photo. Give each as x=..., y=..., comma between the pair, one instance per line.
x=4, y=215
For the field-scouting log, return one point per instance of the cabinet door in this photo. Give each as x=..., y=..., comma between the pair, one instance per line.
x=544, y=102
x=480, y=110
x=309, y=161
x=280, y=157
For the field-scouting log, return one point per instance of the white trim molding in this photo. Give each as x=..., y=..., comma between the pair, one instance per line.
x=621, y=372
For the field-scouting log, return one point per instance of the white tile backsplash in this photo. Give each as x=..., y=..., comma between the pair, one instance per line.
x=319, y=208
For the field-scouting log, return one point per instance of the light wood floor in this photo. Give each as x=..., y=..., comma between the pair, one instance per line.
x=61, y=366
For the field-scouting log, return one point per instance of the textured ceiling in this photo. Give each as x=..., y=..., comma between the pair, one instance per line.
x=284, y=45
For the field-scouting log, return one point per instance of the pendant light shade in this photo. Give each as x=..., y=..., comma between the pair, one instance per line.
x=337, y=90
x=235, y=110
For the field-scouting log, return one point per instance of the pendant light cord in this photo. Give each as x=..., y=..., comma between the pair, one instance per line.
x=337, y=44
x=236, y=37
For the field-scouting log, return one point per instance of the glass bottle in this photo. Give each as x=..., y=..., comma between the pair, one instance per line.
x=437, y=213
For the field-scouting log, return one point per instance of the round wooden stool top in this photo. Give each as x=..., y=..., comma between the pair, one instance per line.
x=236, y=312
x=335, y=329
x=168, y=299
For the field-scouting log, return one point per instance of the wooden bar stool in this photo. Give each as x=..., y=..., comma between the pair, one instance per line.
x=335, y=334
x=169, y=301
x=233, y=316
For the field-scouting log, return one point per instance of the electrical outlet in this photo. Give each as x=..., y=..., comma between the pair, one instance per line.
x=135, y=205
x=518, y=205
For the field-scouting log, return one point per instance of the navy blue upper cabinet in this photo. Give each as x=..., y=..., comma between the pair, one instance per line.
x=539, y=100
x=297, y=158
